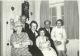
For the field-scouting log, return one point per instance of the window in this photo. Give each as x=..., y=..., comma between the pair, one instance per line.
x=56, y=12
x=53, y=15
x=62, y=12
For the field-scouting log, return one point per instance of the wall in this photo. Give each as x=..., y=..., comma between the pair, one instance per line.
x=7, y=14
x=0, y=25
x=37, y=11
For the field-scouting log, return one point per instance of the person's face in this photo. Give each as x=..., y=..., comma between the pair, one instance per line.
x=23, y=19
x=33, y=26
x=42, y=33
x=47, y=25
x=58, y=24
x=18, y=28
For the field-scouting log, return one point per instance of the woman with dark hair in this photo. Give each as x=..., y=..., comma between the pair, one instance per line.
x=33, y=35
x=44, y=44
x=59, y=37
x=20, y=41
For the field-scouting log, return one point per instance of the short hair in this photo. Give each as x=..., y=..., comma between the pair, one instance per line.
x=47, y=21
x=62, y=23
x=22, y=16
x=18, y=23
x=41, y=29
x=33, y=22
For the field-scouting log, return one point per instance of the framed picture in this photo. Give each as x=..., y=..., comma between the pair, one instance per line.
x=25, y=9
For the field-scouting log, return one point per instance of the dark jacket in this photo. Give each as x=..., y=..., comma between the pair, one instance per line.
x=26, y=29
x=34, y=49
x=47, y=33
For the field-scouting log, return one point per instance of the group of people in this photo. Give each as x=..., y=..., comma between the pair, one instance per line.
x=26, y=40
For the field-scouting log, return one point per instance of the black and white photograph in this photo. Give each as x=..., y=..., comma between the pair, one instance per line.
x=39, y=27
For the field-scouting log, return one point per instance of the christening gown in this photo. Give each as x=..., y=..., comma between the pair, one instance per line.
x=44, y=45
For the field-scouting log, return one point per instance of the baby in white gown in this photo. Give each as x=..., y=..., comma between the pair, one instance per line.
x=44, y=45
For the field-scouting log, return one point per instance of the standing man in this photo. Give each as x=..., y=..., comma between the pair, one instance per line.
x=25, y=25
x=33, y=35
x=48, y=29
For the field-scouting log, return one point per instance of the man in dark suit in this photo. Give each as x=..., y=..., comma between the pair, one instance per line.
x=48, y=30
x=47, y=27
x=33, y=35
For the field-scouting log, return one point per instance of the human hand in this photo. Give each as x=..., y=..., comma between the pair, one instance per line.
x=57, y=43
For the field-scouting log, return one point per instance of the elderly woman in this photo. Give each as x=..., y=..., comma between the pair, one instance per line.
x=19, y=42
x=59, y=37
x=44, y=44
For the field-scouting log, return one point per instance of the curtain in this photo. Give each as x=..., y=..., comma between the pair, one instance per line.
x=71, y=19
x=44, y=12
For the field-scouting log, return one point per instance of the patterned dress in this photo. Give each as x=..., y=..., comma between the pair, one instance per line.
x=19, y=49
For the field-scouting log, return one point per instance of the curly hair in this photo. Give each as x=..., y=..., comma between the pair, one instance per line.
x=47, y=21
x=33, y=22
x=60, y=20
x=41, y=29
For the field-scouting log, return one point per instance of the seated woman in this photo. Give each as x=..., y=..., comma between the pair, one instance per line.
x=44, y=45
x=19, y=42
x=59, y=37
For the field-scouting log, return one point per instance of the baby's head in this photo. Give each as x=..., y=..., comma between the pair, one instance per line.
x=41, y=32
